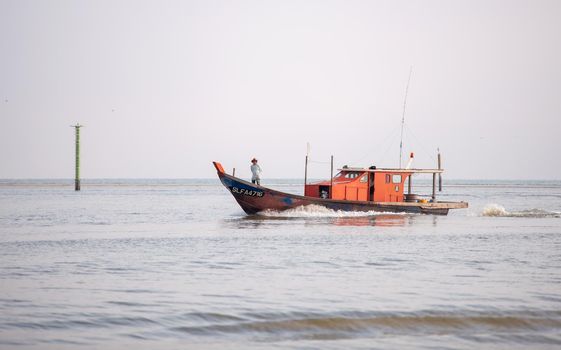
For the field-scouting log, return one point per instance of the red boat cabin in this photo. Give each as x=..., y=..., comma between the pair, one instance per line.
x=359, y=184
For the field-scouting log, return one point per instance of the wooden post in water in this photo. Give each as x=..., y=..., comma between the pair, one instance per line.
x=331, y=188
x=77, y=172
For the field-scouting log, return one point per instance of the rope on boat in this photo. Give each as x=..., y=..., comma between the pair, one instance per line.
x=423, y=148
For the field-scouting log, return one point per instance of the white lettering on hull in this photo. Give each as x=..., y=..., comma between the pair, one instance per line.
x=247, y=192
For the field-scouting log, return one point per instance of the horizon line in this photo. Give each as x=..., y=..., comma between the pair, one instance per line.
x=271, y=178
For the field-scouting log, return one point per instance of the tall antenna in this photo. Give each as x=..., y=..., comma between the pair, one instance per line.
x=403, y=117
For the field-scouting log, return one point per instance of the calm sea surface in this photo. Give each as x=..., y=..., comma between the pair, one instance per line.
x=176, y=264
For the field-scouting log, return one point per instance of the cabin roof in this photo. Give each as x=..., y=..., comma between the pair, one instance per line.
x=391, y=170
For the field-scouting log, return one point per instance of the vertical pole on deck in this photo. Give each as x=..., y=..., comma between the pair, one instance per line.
x=434, y=187
x=439, y=175
x=305, y=174
x=306, y=166
x=77, y=170
x=234, y=172
x=331, y=188
x=409, y=184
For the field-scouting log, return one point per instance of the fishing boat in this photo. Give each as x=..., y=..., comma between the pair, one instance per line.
x=352, y=189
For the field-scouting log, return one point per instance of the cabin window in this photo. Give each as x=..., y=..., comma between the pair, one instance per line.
x=396, y=179
x=388, y=178
x=348, y=174
x=351, y=175
x=364, y=179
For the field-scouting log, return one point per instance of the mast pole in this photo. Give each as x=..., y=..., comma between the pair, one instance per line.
x=331, y=188
x=403, y=117
x=305, y=174
x=439, y=174
x=306, y=166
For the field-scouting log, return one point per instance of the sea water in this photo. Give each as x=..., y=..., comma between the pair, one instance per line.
x=176, y=264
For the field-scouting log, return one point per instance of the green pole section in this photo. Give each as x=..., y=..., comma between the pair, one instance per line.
x=77, y=177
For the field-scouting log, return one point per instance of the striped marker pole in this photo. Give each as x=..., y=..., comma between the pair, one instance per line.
x=77, y=173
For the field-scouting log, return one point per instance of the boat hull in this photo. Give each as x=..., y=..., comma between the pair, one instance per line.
x=254, y=198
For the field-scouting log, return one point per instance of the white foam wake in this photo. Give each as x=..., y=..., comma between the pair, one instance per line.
x=318, y=211
x=496, y=210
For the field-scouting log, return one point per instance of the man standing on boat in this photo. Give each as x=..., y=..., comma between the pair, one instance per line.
x=255, y=172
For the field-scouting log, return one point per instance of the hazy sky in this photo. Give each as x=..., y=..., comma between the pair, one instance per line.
x=166, y=87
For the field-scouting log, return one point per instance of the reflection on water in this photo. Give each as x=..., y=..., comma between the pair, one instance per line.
x=384, y=220
x=378, y=220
